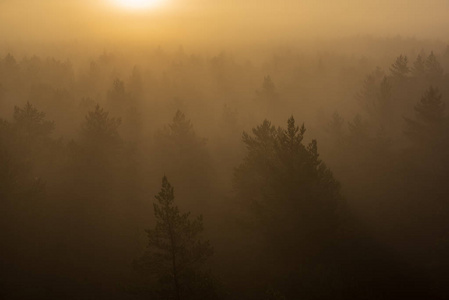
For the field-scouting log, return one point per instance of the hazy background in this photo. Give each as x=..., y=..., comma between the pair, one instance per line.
x=171, y=90
x=219, y=22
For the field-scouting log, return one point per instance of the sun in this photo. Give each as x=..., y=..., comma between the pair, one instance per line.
x=139, y=4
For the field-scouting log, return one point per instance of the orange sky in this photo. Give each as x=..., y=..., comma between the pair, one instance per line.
x=221, y=19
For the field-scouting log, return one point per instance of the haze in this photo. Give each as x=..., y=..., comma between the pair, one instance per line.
x=219, y=20
x=213, y=149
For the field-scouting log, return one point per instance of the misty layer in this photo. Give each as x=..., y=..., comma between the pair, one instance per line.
x=304, y=172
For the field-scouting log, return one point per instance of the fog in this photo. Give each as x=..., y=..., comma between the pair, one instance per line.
x=218, y=21
x=224, y=150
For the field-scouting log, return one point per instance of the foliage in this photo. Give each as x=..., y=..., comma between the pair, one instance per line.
x=400, y=67
x=289, y=188
x=268, y=91
x=429, y=124
x=181, y=128
x=100, y=130
x=22, y=144
x=30, y=123
x=433, y=67
x=174, y=260
x=375, y=93
x=179, y=150
x=419, y=67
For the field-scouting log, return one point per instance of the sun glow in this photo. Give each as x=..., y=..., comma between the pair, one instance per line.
x=139, y=4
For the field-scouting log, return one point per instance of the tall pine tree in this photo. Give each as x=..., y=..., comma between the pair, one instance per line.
x=174, y=262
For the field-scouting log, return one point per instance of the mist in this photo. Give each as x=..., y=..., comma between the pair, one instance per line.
x=224, y=150
x=212, y=22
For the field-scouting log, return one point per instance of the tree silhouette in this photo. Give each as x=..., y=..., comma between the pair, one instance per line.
x=100, y=130
x=433, y=67
x=428, y=126
x=371, y=93
x=419, y=67
x=175, y=257
x=97, y=155
x=399, y=68
x=293, y=204
x=181, y=128
x=268, y=94
x=23, y=143
x=178, y=150
x=117, y=93
x=30, y=124
x=288, y=186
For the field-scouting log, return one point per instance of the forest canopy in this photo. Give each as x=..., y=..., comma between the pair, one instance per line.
x=302, y=147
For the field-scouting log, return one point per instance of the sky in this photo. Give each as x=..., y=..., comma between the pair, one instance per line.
x=221, y=20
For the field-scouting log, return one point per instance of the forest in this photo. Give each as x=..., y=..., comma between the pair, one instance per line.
x=291, y=172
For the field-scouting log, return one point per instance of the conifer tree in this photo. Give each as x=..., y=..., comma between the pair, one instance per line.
x=268, y=91
x=429, y=124
x=29, y=123
x=419, y=68
x=175, y=257
x=100, y=130
x=433, y=67
x=288, y=187
x=399, y=68
x=372, y=91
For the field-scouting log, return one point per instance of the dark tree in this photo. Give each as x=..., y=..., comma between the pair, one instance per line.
x=176, y=254
x=419, y=67
x=100, y=130
x=117, y=95
x=428, y=126
x=97, y=155
x=433, y=67
x=425, y=165
x=382, y=108
x=22, y=145
x=30, y=124
x=430, y=109
x=181, y=128
x=369, y=95
x=23, y=203
x=268, y=93
x=179, y=150
x=10, y=64
x=291, y=191
x=126, y=102
x=400, y=67
x=295, y=212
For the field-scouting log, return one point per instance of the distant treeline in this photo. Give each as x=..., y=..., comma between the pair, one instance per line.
x=316, y=178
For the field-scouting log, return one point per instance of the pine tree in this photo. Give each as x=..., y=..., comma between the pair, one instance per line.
x=175, y=257
x=429, y=124
x=181, y=127
x=433, y=67
x=178, y=150
x=294, y=206
x=419, y=68
x=23, y=145
x=268, y=91
x=100, y=130
x=288, y=187
x=400, y=69
x=430, y=109
x=30, y=124
x=370, y=94
x=116, y=96
x=97, y=153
